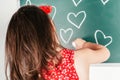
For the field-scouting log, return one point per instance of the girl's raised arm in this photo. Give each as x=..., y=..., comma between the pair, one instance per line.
x=90, y=52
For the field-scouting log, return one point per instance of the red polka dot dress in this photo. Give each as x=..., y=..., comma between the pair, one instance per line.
x=65, y=70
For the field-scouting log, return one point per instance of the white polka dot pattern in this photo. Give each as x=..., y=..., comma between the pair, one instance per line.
x=65, y=70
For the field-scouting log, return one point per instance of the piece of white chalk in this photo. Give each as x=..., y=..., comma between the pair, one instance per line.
x=74, y=45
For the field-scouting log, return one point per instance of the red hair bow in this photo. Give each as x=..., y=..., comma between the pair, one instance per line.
x=46, y=8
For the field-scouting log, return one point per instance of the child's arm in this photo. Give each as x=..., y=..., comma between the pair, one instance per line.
x=92, y=46
x=87, y=53
x=80, y=43
x=91, y=52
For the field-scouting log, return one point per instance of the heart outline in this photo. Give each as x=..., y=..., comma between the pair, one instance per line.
x=76, y=4
x=28, y=2
x=71, y=13
x=104, y=2
x=65, y=31
x=104, y=36
x=55, y=10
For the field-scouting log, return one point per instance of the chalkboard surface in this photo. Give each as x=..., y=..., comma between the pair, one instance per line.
x=96, y=21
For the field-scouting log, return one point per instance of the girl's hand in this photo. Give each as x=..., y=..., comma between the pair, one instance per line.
x=78, y=43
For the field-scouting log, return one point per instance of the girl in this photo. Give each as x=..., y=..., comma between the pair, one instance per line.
x=33, y=51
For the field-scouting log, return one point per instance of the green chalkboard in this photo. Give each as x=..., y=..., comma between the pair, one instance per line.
x=96, y=21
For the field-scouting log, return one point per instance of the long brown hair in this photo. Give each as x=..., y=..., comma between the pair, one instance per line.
x=30, y=42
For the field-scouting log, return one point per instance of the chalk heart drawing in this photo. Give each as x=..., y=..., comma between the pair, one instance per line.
x=76, y=3
x=105, y=37
x=68, y=32
x=76, y=16
x=28, y=2
x=53, y=12
x=104, y=1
